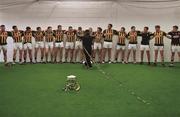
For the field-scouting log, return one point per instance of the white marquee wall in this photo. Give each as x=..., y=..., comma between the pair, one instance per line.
x=93, y=14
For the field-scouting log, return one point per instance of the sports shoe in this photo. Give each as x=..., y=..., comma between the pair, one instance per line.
x=155, y=64
x=114, y=61
x=20, y=62
x=35, y=62
x=126, y=62
x=171, y=65
x=163, y=64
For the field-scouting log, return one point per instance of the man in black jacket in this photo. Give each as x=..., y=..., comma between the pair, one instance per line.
x=87, y=47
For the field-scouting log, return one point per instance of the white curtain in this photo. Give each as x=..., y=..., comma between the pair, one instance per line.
x=92, y=14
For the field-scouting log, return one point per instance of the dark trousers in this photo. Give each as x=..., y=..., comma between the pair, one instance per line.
x=87, y=54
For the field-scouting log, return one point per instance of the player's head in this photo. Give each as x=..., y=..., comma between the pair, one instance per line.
x=38, y=28
x=123, y=29
x=87, y=32
x=99, y=29
x=157, y=27
x=28, y=29
x=79, y=28
x=2, y=27
x=146, y=29
x=49, y=29
x=110, y=26
x=133, y=28
x=70, y=28
x=59, y=27
x=175, y=28
x=15, y=28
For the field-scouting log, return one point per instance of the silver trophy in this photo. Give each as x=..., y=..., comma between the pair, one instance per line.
x=71, y=84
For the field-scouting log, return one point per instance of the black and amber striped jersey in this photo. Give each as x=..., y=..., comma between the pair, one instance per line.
x=49, y=36
x=70, y=36
x=28, y=37
x=59, y=35
x=79, y=35
x=3, y=37
x=17, y=36
x=122, y=38
x=108, y=34
x=132, y=36
x=159, y=38
x=39, y=36
x=98, y=37
x=175, y=37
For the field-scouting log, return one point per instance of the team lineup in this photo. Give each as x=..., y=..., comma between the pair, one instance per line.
x=52, y=42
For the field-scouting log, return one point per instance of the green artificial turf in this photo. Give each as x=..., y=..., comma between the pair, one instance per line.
x=35, y=91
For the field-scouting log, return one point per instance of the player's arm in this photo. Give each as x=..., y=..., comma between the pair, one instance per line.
x=75, y=32
x=93, y=35
x=22, y=33
x=75, y=40
x=115, y=32
x=9, y=33
x=169, y=35
x=139, y=33
x=102, y=40
x=166, y=35
x=54, y=38
x=152, y=36
x=34, y=34
x=23, y=37
x=104, y=33
x=65, y=38
x=128, y=36
x=80, y=36
x=43, y=37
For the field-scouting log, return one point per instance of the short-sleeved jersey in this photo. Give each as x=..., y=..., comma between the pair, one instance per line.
x=175, y=37
x=121, y=38
x=159, y=38
x=59, y=35
x=49, y=36
x=79, y=35
x=17, y=36
x=39, y=36
x=108, y=34
x=28, y=37
x=146, y=37
x=71, y=36
x=3, y=37
x=98, y=37
x=132, y=36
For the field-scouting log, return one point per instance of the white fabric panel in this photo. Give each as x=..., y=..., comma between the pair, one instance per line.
x=93, y=14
